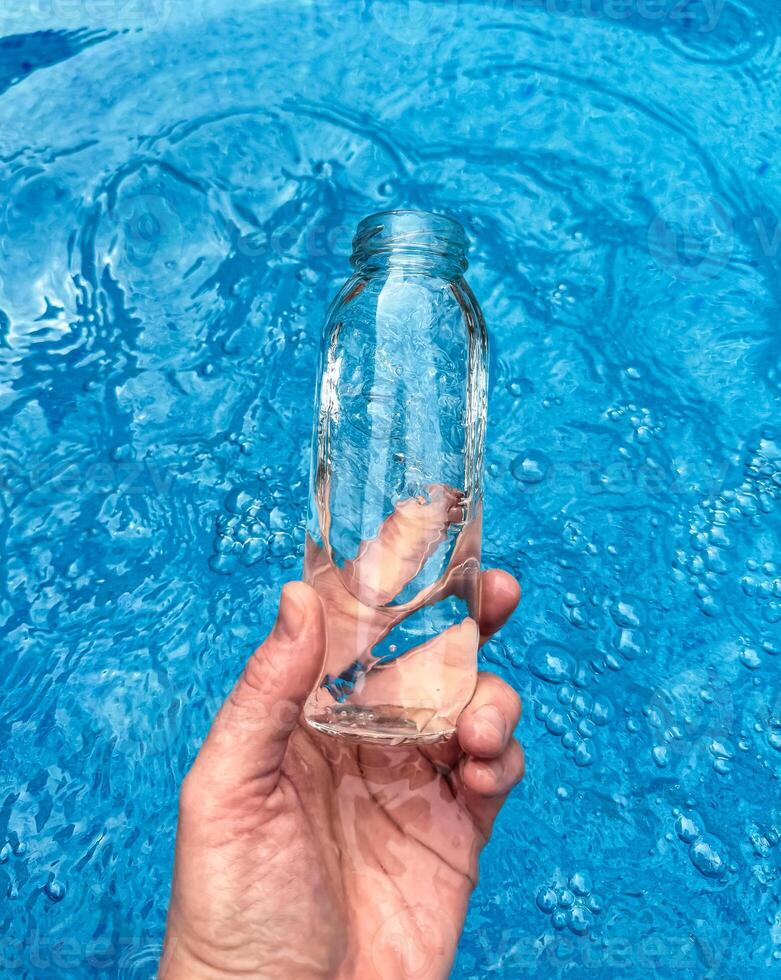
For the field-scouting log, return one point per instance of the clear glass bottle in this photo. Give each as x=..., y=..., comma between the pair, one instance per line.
x=394, y=534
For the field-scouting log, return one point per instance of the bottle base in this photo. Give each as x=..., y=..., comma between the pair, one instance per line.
x=385, y=724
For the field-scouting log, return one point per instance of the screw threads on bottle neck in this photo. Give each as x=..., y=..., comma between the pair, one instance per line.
x=415, y=241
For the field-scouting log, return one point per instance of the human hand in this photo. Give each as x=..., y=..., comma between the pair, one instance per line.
x=302, y=856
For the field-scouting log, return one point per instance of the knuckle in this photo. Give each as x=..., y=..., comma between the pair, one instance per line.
x=259, y=673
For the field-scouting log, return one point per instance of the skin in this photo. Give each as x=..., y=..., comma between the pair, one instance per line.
x=360, y=612
x=300, y=855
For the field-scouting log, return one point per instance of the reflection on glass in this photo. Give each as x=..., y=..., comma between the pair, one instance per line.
x=393, y=545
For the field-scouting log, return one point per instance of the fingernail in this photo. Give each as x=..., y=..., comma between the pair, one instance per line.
x=490, y=715
x=290, y=618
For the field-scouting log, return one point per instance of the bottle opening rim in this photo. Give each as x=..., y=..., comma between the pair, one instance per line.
x=410, y=233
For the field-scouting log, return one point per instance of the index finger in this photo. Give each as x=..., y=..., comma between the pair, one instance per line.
x=499, y=595
x=406, y=540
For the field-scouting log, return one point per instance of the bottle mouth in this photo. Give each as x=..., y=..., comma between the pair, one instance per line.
x=410, y=237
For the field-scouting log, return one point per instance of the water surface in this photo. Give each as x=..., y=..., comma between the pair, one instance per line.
x=179, y=186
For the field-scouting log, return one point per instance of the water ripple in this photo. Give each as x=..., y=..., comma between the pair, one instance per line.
x=178, y=201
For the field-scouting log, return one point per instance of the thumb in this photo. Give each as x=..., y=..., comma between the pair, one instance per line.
x=247, y=742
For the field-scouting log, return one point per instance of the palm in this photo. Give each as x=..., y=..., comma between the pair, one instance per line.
x=365, y=859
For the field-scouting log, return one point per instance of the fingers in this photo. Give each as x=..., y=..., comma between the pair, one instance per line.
x=248, y=739
x=486, y=783
x=500, y=593
x=494, y=761
x=486, y=725
x=444, y=663
x=406, y=540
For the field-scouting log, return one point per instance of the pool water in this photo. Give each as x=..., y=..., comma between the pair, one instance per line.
x=179, y=187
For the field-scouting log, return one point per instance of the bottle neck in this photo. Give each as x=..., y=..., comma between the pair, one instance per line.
x=416, y=242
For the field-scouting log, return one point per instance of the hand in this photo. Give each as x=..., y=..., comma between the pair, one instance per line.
x=398, y=574
x=302, y=856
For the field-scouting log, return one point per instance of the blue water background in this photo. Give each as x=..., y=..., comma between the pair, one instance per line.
x=179, y=186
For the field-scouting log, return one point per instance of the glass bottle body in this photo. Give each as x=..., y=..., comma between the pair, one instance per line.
x=394, y=532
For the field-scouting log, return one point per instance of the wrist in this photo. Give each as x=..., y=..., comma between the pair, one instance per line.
x=178, y=962
x=175, y=965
